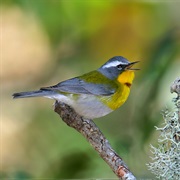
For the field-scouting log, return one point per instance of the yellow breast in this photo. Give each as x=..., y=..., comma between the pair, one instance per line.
x=126, y=77
x=124, y=83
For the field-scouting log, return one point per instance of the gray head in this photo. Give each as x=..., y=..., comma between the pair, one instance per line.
x=115, y=66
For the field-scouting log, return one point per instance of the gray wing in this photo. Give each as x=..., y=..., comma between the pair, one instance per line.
x=78, y=86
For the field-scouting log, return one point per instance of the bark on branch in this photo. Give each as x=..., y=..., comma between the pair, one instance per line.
x=95, y=137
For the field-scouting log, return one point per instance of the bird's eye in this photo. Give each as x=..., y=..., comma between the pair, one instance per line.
x=120, y=66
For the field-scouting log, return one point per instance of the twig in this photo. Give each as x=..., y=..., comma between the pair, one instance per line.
x=95, y=137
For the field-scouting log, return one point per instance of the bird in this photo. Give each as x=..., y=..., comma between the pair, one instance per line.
x=94, y=94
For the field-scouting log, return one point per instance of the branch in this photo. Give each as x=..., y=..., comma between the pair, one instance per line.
x=95, y=137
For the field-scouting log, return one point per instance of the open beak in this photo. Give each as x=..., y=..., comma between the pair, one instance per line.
x=129, y=66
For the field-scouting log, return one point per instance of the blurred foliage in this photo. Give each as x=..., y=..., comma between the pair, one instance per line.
x=163, y=55
x=70, y=166
x=76, y=37
x=65, y=19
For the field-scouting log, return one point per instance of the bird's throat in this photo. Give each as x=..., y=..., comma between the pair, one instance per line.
x=126, y=78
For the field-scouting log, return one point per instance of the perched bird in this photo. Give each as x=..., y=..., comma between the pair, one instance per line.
x=94, y=94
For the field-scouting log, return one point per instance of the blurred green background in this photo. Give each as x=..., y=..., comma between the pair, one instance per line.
x=46, y=41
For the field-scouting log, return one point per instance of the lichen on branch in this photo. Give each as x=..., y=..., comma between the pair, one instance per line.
x=166, y=157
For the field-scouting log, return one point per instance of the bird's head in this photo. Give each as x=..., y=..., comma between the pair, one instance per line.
x=119, y=68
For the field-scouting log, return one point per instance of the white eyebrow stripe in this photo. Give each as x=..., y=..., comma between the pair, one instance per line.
x=113, y=64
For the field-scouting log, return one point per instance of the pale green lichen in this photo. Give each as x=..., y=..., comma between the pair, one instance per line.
x=166, y=157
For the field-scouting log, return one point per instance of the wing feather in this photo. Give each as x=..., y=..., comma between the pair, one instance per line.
x=80, y=86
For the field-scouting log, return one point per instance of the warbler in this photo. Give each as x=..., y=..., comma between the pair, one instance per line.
x=94, y=94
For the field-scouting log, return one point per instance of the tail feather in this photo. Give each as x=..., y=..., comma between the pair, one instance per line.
x=32, y=94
